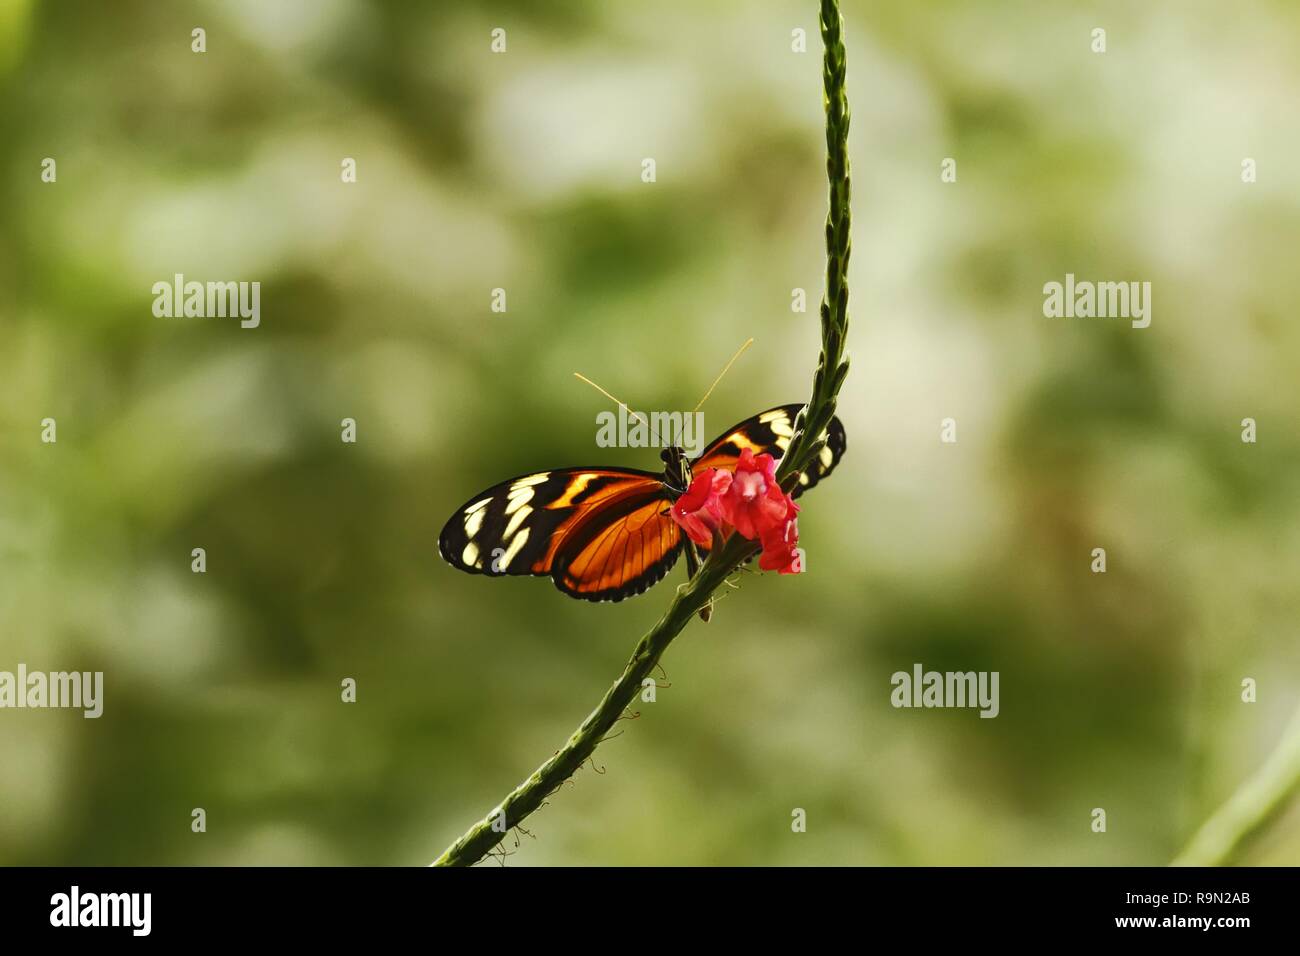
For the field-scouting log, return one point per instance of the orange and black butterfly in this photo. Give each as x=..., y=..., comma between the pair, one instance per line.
x=603, y=534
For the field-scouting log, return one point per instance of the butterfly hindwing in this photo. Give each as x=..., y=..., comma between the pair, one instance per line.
x=601, y=534
x=622, y=555
x=770, y=432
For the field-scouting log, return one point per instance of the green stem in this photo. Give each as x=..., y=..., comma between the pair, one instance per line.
x=479, y=839
x=1256, y=802
x=832, y=366
x=529, y=795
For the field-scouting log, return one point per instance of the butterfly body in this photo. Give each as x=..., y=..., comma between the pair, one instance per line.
x=604, y=534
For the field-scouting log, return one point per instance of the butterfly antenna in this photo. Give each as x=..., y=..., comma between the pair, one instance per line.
x=637, y=415
x=740, y=351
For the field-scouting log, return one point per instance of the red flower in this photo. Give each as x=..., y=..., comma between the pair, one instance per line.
x=781, y=547
x=754, y=503
x=751, y=501
x=699, y=510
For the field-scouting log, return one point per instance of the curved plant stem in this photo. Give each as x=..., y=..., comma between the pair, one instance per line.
x=1256, y=802
x=697, y=592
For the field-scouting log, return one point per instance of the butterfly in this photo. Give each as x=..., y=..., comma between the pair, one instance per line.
x=604, y=534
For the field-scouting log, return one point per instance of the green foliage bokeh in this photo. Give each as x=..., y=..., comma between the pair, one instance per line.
x=522, y=171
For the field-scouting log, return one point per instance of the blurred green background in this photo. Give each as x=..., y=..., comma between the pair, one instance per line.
x=522, y=171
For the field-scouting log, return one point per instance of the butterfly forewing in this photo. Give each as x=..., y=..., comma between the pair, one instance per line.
x=770, y=432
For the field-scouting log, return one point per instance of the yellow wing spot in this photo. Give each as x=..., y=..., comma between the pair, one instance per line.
x=518, y=498
x=516, y=521
x=782, y=428
x=803, y=477
x=576, y=487
x=469, y=555
x=776, y=414
x=477, y=506
x=537, y=479
x=783, y=444
x=827, y=457
x=515, y=547
x=474, y=522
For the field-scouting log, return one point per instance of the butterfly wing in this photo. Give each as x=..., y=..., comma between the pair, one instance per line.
x=770, y=432
x=601, y=534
